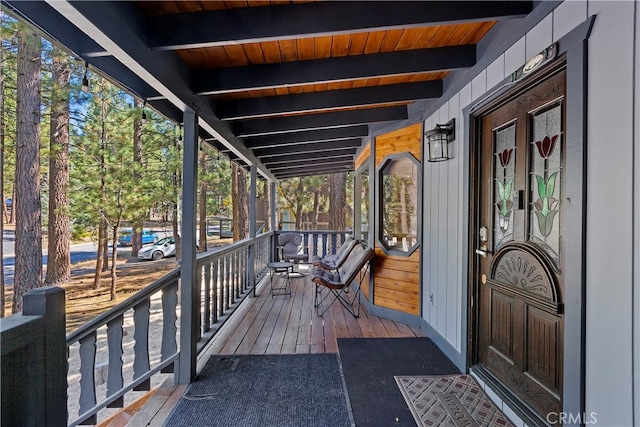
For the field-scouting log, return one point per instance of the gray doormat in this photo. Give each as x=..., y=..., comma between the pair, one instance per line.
x=273, y=390
x=369, y=366
x=450, y=400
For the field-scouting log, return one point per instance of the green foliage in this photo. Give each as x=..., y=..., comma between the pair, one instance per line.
x=218, y=179
x=298, y=194
x=106, y=182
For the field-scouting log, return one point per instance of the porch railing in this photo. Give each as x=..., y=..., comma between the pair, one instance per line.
x=318, y=243
x=126, y=347
x=112, y=354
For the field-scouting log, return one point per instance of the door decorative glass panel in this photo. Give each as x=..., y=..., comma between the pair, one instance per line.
x=504, y=170
x=546, y=157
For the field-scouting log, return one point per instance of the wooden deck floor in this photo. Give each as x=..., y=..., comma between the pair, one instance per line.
x=274, y=325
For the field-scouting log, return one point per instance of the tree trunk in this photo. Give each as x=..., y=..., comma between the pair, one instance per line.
x=114, y=258
x=202, y=215
x=100, y=256
x=136, y=236
x=4, y=205
x=12, y=215
x=176, y=233
x=239, y=197
x=337, y=201
x=268, y=207
x=316, y=210
x=59, y=233
x=28, y=243
x=298, y=211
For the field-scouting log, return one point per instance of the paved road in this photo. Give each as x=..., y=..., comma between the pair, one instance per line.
x=79, y=252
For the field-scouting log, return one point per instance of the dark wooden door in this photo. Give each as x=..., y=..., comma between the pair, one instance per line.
x=519, y=243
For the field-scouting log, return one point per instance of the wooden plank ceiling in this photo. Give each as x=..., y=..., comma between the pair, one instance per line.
x=293, y=85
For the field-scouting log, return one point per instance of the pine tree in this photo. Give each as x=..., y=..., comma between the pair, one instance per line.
x=59, y=234
x=240, y=211
x=28, y=243
x=338, y=201
x=138, y=221
x=202, y=208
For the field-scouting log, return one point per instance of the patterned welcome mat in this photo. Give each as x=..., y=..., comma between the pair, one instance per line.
x=450, y=400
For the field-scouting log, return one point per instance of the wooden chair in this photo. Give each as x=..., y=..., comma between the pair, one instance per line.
x=335, y=286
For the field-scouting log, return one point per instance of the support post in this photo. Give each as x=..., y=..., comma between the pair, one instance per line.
x=34, y=361
x=189, y=286
x=252, y=226
x=272, y=204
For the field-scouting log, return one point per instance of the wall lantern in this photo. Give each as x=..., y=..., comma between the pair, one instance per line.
x=438, y=140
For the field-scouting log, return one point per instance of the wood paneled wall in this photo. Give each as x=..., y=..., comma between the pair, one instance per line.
x=397, y=278
x=403, y=140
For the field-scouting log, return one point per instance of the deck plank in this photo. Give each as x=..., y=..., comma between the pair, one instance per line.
x=256, y=326
x=266, y=332
x=282, y=325
x=291, y=334
x=391, y=328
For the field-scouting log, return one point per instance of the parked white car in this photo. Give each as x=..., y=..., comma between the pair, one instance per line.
x=162, y=248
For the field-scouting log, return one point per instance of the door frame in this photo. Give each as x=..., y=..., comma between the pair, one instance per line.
x=572, y=48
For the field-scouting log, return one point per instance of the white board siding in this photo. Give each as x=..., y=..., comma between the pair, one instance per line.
x=495, y=72
x=567, y=16
x=609, y=214
x=613, y=252
x=453, y=315
x=515, y=56
x=540, y=37
x=479, y=85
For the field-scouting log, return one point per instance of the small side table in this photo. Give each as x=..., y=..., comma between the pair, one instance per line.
x=280, y=280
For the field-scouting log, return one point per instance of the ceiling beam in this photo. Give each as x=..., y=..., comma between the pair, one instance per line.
x=259, y=24
x=321, y=170
x=317, y=164
x=317, y=101
x=276, y=125
x=315, y=71
x=304, y=137
x=306, y=158
x=347, y=144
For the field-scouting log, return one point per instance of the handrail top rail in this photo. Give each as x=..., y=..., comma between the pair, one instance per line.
x=315, y=231
x=223, y=250
x=156, y=285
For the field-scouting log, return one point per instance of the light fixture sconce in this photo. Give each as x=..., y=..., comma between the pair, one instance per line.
x=438, y=140
x=85, y=79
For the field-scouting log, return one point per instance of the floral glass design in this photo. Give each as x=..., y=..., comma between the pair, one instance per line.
x=504, y=170
x=546, y=177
